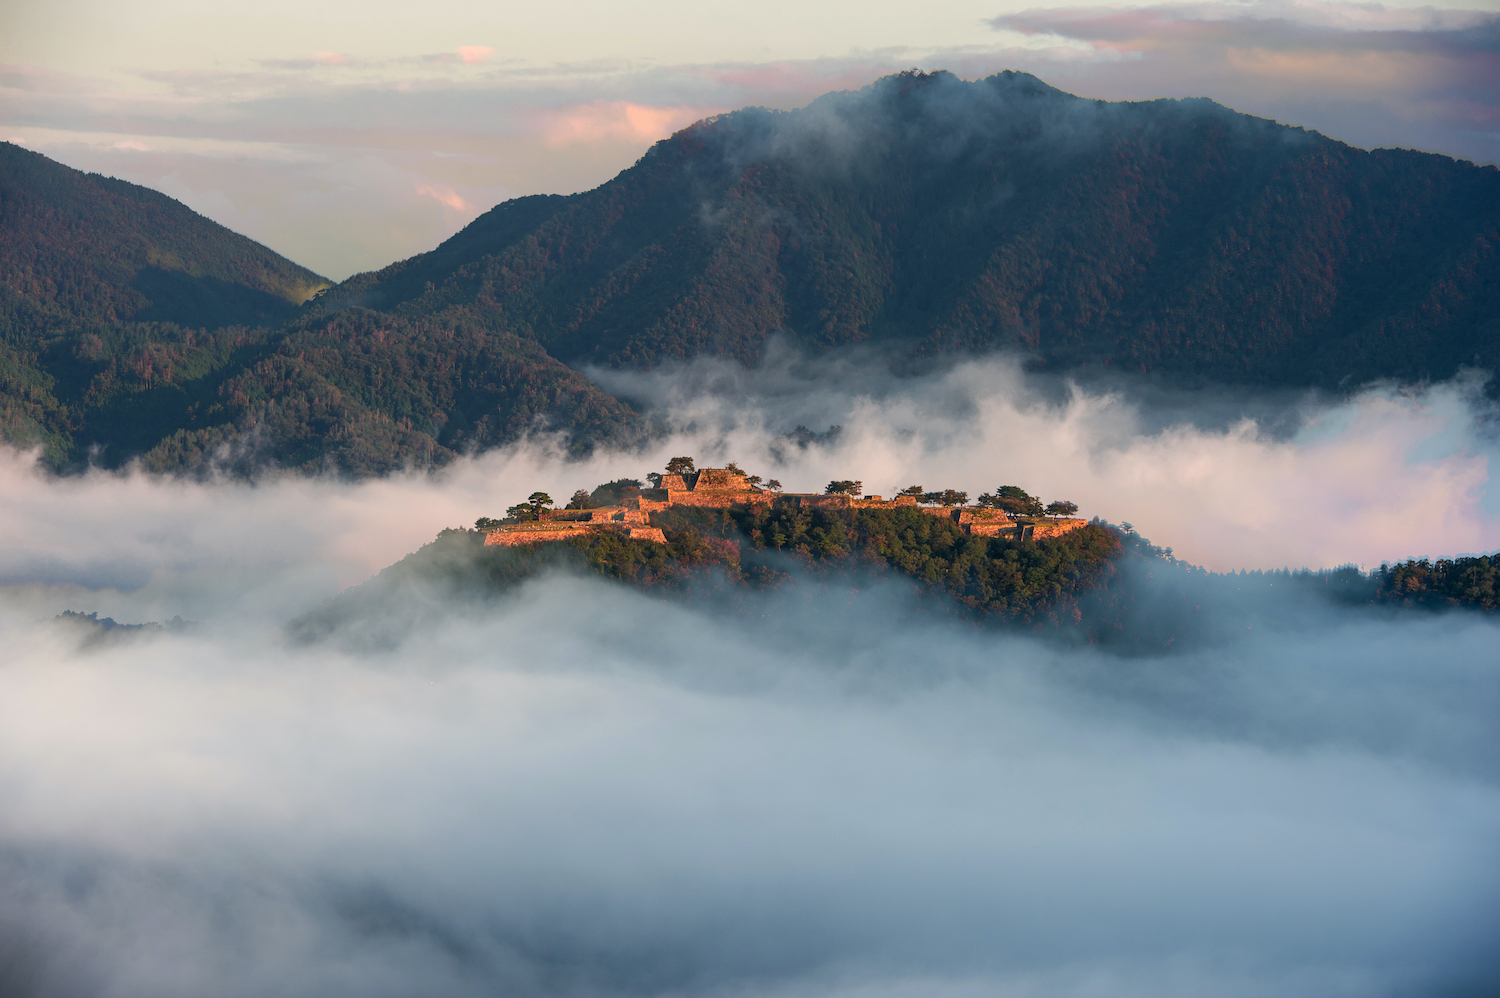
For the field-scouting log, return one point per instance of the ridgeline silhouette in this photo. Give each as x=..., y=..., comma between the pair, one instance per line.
x=924, y=215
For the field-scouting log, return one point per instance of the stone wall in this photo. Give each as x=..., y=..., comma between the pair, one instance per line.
x=1055, y=528
x=715, y=500
x=722, y=491
x=720, y=480
x=618, y=514
x=532, y=533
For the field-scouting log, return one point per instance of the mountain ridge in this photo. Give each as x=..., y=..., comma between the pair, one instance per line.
x=923, y=215
x=82, y=247
x=1191, y=239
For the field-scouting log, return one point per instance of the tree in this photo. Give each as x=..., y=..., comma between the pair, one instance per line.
x=654, y=477
x=1062, y=508
x=753, y=480
x=773, y=486
x=485, y=523
x=1017, y=502
x=522, y=512
x=946, y=498
x=843, y=488
x=734, y=467
x=580, y=500
x=916, y=491
x=538, y=501
x=680, y=466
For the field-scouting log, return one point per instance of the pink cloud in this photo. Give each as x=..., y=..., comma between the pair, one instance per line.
x=330, y=58
x=615, y=121
x=474, y=55
x=444, y=194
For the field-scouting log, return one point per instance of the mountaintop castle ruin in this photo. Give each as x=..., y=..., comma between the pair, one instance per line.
x=722, y=488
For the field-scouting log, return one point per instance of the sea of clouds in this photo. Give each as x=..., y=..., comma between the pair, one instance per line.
x=583, y=789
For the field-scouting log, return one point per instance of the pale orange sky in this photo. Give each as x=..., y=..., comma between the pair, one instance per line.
x=348, y=135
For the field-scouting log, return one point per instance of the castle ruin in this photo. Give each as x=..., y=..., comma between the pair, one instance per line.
x=722, y=488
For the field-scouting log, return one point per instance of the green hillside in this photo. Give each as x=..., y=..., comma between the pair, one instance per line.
x=946, y=217
x=1098, y=584
x=132, y=327
x=78, y=249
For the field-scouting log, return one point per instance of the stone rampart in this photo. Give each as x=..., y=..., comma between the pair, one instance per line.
x=817, y=500
x=716, y=500
x=720, y=488
x=1055, y=528
x=617, y=514
x=721, y=480
x=532, y=533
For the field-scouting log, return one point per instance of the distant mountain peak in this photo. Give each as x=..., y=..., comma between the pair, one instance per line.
x=939, y=216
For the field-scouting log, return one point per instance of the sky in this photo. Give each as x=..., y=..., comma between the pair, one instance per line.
x=349, y=135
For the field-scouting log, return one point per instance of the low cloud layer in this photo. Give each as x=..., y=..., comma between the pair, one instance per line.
x=1228, y=478
x=823, y=790
x=329, y=155
x=589, y=791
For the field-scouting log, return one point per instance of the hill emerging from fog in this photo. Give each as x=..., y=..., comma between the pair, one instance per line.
x=1098, y=584
x=923, y=215
x=943, y=217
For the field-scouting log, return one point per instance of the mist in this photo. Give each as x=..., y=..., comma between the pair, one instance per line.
x=1229, y=477
x=583, y=789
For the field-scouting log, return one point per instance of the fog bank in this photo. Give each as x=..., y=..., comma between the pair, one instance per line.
x=590, y=791
x=582, y=789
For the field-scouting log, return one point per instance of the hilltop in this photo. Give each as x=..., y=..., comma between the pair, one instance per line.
x=936, y=216
x=1002, y=561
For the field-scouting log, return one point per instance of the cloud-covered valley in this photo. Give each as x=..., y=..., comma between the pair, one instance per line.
x=583, y=789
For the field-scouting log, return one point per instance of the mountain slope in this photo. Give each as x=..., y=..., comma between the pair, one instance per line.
x=78, y=248
x=359, y=393
x=941, y=216
x=133, y=328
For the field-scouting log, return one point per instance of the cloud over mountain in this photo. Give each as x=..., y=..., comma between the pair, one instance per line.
x=320, y=146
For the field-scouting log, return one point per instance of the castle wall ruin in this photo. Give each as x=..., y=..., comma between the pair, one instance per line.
x=722, y=488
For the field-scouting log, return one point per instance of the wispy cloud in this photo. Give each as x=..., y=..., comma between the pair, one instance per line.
x=614, y=121
x=1367, y=74
x=444, y=195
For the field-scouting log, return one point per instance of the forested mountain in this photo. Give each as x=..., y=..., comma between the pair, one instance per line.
x=132, y=327
x=927, y=215
x=942, y=216
x=79, y=248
